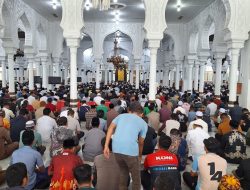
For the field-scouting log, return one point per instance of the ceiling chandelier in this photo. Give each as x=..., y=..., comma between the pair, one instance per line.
x=101, y=4
x=117, y=60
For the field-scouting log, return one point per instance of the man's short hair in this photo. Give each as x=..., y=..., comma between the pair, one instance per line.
x=102, y=101
x=164, y=182
x=95, y=122
x=165, y=141
x=15, y=174
x=71, y=111
x=83, y=173
x=135, y=107
x=69, y=143
x=111, y=106
x=49, y=100
x=234, y=124
x=23, y=112
x=28, y=137
x=151, y=106
x=46, y=111
x=62, y=121
x=100, y=113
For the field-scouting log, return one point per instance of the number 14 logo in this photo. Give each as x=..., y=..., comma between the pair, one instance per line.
x=215, y=175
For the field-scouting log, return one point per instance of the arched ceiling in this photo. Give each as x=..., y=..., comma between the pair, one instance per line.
x=133, y=12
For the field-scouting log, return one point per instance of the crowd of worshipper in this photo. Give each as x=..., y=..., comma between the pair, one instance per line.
x=115, y=138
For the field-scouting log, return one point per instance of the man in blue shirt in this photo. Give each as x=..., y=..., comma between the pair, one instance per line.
x=30, y=157
x=127, y=144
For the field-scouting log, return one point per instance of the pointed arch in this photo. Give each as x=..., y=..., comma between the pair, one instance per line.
x=28, y=32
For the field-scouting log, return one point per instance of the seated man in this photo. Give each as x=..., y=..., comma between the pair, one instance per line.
x=62, y=166
x=6, y=144
x=195, y=139
x=199, y=117
x=208, y=169
x=223, y=127
x=92, y=141
x=234, y=144
x=83, y=176
x=159, y=162
x=31, y=158
x=37, y=144
x=243, y=173
x=104, y=166
x=17, y=176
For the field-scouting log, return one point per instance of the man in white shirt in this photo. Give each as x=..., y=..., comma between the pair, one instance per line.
x=8, y=113
x=212, y=107
x=180, y=108
x=158, y=102
x=73, y=124
x=199, y=116
x=98, y=99
x=195, y=140
x=31, y=98
x=45, y=126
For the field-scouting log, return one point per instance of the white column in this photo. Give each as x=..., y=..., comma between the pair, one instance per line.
x=196, y=76
x=11, y=74
x=171, y=76
x=137, y=68
x=56, y=65
x=177, y=75
x=66, y=68
x=97, y=79
x=73, y=72
x=38, y=67
x=218, y=76
x=31, y=73
x=131, y=75
x=233, y=76
x=106, y=76
x=21, y=71
x=152, y=75
x=202, y=77
x=3, y=73
x=45, y=73
x=190, y=77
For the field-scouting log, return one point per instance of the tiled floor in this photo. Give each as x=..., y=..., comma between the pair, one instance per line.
x=5, y=163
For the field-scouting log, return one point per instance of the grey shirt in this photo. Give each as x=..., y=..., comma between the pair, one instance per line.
x=92, y=145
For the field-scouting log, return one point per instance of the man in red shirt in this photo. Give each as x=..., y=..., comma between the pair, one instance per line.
x=51, y=106
x=61, y=167
x=159, y=162
x=60, y=104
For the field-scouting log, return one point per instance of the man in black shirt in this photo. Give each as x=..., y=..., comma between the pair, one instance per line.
x=18, y=124
x=243, y=173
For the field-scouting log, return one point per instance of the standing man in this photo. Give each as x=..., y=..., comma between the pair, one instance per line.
x=128, y=139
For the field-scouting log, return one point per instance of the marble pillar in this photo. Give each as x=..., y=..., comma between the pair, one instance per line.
x=97, y=77
x=152, y=75
x=218, y=77
x=177, y=75
x=45, y=72
x=106, y=76
x=73, y=74
x=31, y=72
x=190, y=77
x=202, y=77
x=233, y=79
x=137, y=68
x=3, y=63
x=196, y=76
x=11, y=74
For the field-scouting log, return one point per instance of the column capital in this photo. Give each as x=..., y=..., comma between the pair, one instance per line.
x=73, y=42
x=56, y=59
x=154, y=44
